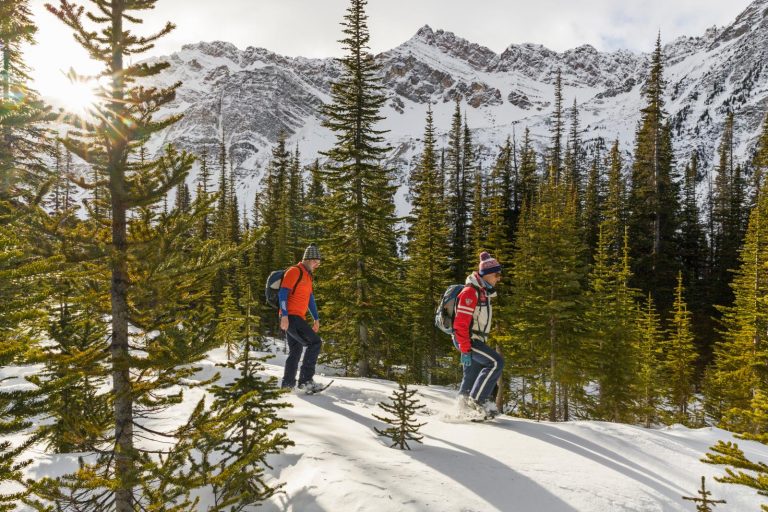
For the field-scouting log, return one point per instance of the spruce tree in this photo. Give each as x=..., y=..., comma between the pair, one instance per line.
x=653, y=198
x=234, y=441
x=457, y=198
x=25, y=266
x=555, y=163
x=547, y=276
x=741, y=356
x=614, y=213
x=611, y=355
x=362, y=304
x=726, y=213
x=529, y=181
x=680, y=357
x=573, y=165
x=403, y=426
x=650, y=373
x=703, y=500
x=740, y=470
x=593, y=202
x=428, y=248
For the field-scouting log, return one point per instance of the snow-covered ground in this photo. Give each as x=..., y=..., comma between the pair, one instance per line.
x=339, y=463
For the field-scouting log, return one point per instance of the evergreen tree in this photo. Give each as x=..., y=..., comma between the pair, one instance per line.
x=22, y=113
x=68, y=386
x=650, y=365
x=313, y=208
x=703, y=501
x=203, y=191
x=740, y=470
x=426, y=264
x=573, y=167
x=759, y=165
x=458, y=198
x=653, y=198
x=741, y=358
x=547, y=305
x=244, y=430
x=24, y=272
x=555, y=163
x=726, y=213
x=295, y=207
x=693, y=243
x=402, y=425
x=529, y=182
x=158, y=321
x=680, y=357
x=359, y=212
x=593, y=202
x=614, y=212
x=610, y=321
x=478, y=231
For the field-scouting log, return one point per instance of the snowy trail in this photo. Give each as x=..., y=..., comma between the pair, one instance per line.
x=340, y=464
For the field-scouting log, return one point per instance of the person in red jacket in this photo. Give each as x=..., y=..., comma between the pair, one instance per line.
x=471, y=326
x=296, y=295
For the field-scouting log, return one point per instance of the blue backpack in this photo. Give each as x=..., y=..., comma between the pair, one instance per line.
x=272, y=289
x=446, y=309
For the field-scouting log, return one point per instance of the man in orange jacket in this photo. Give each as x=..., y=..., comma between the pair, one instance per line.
x=296, y=295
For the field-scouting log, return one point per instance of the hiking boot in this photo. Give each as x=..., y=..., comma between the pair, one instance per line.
x=491, y=411
x=310, y=387
x=470, y=409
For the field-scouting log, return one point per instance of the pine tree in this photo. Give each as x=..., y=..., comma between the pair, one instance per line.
x=427, y=250
x=68, y=386
x=359, y=212
x=403, y=426
x=726, y=213
x=313, y=208
x=573, y=167
x=703, y=501
x=693, y=245
x=739, y=371
x=295, y=207
x=478, y=230
x=610, y=320
x=244, y=430
x=25, y=271
x=740, y=470
x=680, y=357
x=555, y=163
x=614, y=212
x=529, y=182
x=547, y=305
x=653, y=198
x=593, y=202
x=157, y=276
x=457, y=199
x=650, y=364
x=203, y=187
x=22, y=114
x=759, y=165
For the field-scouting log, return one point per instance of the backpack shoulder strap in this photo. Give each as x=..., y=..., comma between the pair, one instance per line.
x=301, y=274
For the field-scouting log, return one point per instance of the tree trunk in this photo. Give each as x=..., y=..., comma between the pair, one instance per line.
x=121, y=381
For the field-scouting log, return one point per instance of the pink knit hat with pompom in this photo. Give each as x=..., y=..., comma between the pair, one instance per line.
x=488, y=264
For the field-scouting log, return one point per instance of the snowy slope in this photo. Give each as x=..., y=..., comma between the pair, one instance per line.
x=339, y=463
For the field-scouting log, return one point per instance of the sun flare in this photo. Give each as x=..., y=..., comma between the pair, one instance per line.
x=79, y=97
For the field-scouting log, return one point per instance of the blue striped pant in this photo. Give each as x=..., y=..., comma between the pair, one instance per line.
x=481, y=376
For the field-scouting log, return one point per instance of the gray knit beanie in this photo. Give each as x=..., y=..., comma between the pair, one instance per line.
x=312, y=253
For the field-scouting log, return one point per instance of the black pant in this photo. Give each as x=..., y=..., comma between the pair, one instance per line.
x=300, y=335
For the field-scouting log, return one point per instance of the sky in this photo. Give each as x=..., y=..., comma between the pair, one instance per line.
x=310, y=28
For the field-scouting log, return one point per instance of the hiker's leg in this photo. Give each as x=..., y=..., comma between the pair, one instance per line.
x=491, y=364
x=295, y=348
x=310, y=339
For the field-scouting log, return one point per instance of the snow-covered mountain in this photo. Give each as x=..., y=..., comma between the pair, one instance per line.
x=254, y=94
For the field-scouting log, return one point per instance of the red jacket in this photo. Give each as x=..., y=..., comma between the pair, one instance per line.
x=473, y=313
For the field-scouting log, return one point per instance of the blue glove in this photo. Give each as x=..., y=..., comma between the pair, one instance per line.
x=466, y=359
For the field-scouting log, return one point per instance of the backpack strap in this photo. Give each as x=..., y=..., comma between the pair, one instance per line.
x=301, y=274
